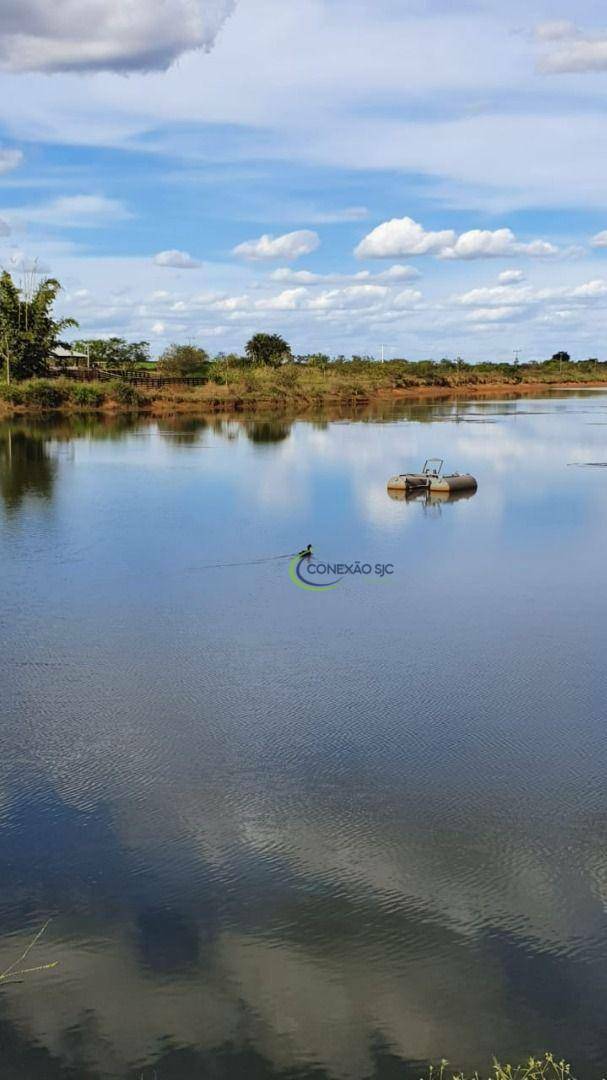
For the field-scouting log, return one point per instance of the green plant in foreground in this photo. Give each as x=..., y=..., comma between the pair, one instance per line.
x=544, y=1068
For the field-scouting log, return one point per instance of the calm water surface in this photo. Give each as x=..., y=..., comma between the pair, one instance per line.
x=292, y=834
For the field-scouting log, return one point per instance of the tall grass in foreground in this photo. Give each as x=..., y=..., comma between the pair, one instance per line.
x=544, y=1068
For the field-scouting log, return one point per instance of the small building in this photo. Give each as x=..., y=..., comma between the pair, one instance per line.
x=68, y=357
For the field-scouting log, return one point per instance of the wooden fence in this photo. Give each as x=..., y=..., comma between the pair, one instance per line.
x=138, y=378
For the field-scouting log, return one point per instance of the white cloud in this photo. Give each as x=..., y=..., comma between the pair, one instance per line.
x=299, y=277
x=179, y=260
x=71, y=212
x=402, y=236
x=232, y=303
x=592, y=290
x=289, y=246
x=570, y=51
x=501, y=243
x=288, y=300
x=399, y=273
x=158, y=328
x=5, y=229
x=519, y=295
x=407, y=298
x=493, y=314
x=354, y=296
x=9, y=160
x=600, y=240
x=98, y=35
x=511, y=277
x=556, y=30
x=305, y=277
x=21, y=263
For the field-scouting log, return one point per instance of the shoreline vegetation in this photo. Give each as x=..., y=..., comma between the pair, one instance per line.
x=41, y=373
x=293, y=387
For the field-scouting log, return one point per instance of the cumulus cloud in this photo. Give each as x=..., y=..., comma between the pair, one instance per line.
x=399, y=273
x=359, y=300
x=407, y=298
x=179, y=260
x=600, y=240
x=352, y=297
x=102, y=35
x=289, y=246
x=392, y=275
x=403, y=236
x=569, y=50
x=288, y=300
x=71, y=211
x=503, y=296
x=9, y=160
x=232, y=303
x=501, y=243
x=494, y=314
x=299, y=277
x=510, y=277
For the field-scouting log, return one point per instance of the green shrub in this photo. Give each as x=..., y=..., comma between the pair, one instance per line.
x=42, y=394
x=87, y=395
x=124, y=393
x=12, y=393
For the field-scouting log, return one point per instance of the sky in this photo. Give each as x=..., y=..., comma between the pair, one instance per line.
x=422, y=175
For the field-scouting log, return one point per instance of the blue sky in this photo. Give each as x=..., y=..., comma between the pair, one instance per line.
x=426, y=175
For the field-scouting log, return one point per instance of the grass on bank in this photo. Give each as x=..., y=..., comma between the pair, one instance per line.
x=240, y=386
x=547, y=1067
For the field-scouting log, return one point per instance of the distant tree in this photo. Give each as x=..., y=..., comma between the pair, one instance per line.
x=184, y=360
x=561, y=357
x=269, y=349
x=114, y=352
x=28, y=331
x=319, y=360
x=227, y=358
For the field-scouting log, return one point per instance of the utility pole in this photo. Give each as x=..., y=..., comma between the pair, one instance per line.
x=516, y=355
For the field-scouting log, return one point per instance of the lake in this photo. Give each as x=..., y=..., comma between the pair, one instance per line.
x=290, y=833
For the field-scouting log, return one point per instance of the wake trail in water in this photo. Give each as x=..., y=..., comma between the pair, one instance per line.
x=247, y=562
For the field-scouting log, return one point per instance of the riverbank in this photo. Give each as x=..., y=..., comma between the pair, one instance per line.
x=276, y=390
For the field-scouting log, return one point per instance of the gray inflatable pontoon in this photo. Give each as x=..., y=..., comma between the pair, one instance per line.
x=431, y=478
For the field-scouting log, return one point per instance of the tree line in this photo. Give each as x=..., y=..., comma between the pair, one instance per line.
x=30, y=334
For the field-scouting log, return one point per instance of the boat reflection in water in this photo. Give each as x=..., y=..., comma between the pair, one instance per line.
x=430, y=500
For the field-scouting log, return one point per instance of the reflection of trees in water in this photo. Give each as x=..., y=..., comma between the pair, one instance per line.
x=237, y=1059
x=268, y=431
x=182, y=430
x=26, y=467
x=168, y=940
